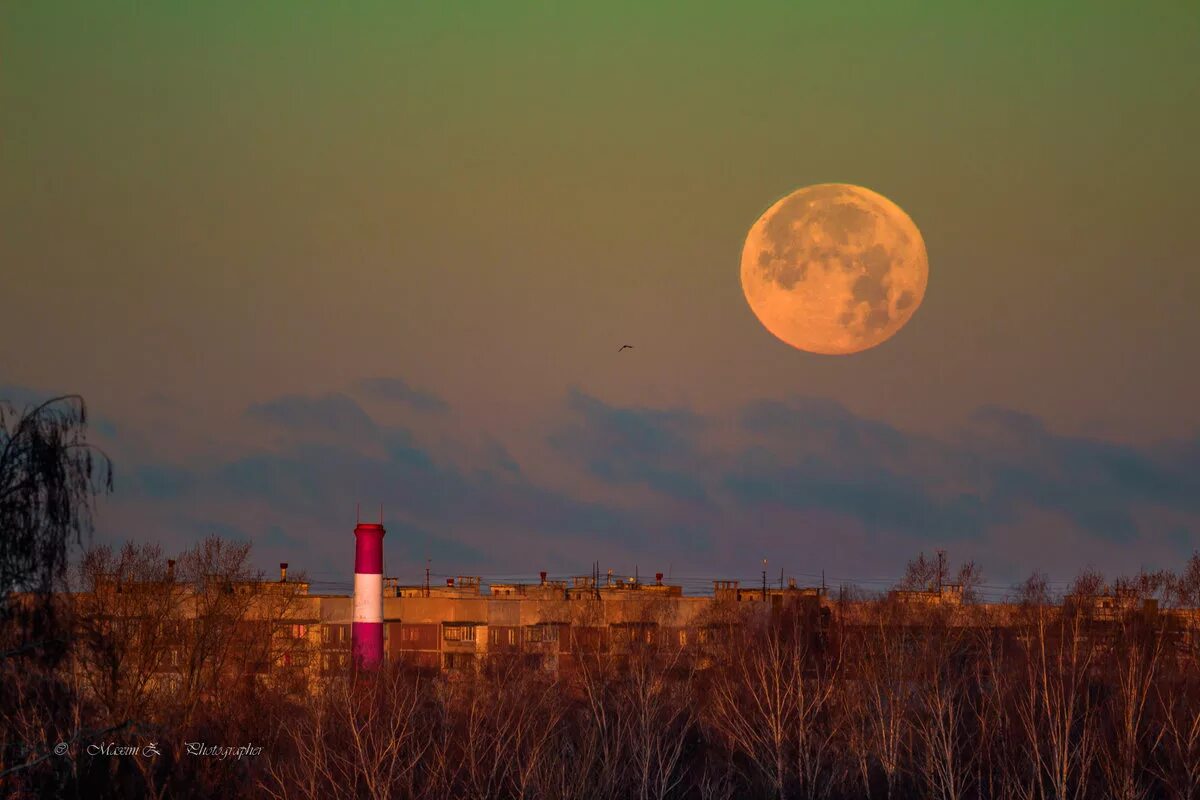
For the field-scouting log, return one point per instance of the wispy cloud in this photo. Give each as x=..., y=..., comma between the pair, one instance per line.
x=397, y=390
x=799, y=475
x=811, y=454
x=652, y=447
x=329, y=413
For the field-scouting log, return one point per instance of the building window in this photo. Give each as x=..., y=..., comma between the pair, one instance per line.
x=542, y=633
x=457, y=661
x=325, y=634
x=512, y=636
x=683, y=638
x=459, y=633
x=299, y=631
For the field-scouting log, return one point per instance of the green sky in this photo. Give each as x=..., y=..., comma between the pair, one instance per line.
x=214, y=204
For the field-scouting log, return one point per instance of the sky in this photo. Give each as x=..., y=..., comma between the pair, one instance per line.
x=299, y=257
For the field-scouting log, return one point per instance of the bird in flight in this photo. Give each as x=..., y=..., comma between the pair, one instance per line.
x=625, y=347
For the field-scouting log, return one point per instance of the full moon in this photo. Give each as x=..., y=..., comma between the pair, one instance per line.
x=834, y=269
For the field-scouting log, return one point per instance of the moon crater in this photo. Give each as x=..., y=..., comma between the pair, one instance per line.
x=834, y=269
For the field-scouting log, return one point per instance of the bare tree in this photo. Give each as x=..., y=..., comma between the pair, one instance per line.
x=933, y=574
x=752, y=704
x=1134, y=648
x=944, y=712
x=884, y=666
x=507, y=716
x=362, y=738
x=47, y=485
x=773, y=701
x=126, y=615
x=658, y=713
x=1176, y=761
x=1052, y=698
x=49, y=477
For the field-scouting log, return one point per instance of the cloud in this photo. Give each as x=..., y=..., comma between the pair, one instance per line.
x=330, y=413
x=1184, y=541
x=397, y=390
x=651, y=447
x=456, y=509
x=414, y=544
x=800, y=476
x=1101, y=486
x=497, y=455
x=277, y=537
x=815, y=455
x=824, y=426
x=320, y=480
x=23, y=399
x=877, y=498
x=203, y=528
x=811, y=454
x=161, y=481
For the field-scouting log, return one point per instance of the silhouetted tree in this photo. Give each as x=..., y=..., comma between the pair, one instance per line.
x=48, y=474
x=49, y=477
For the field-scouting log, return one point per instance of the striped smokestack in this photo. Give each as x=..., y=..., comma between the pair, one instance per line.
x=366, y=640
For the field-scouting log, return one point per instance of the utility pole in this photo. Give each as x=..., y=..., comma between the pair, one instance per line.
x=764, y=579
x=427, y=577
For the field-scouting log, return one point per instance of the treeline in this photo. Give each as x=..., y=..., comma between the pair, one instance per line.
x=1096, y=694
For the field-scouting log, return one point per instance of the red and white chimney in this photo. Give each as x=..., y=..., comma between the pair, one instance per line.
x=366, y=636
